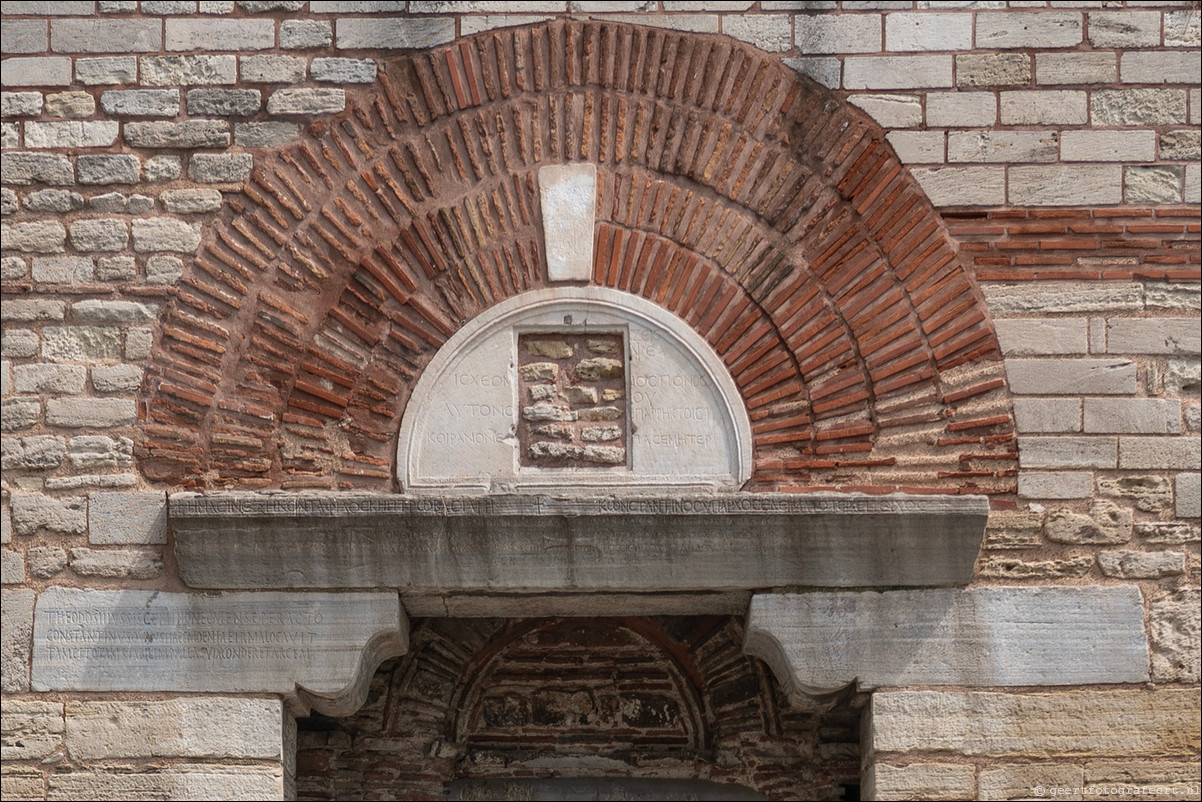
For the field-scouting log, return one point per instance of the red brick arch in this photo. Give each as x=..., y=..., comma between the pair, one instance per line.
x=770, y=215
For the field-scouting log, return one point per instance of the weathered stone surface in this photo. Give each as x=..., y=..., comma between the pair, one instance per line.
x=91, y=412
x=249, y=541
x=141, y=102
x=343, y=70
x=71, y=134
x=80, y=343
x=1068, y=452
x=31, y=311
x=1128, y=564
x=191, y=201
x=32, y=453
x=1064, y=184
x=163, y=269
x=217, y=168
x=326, y=643
x=165, y=234
x=1137, y=107
x=568, y=197
x=1123, y=779
x=122, y=564
x=820, y=642
x=19, y=413
x=20, y=104
x=99, y=235
x=1106, y=524
x=1188, y=489
x=400, y=34
x=116, y=378
x=1155, y=184
x=202, y=781
x=12, y=566
x=22, y=782
x=1014, y=530
x=30, y=729
x=1176, y=620
x=46, y=561
x=63, y=269
x=1018, y=781
x=934, y=781
x=127, y=518
x=298, y=34
x=1130, y=723
x=183, y=134
x=1055, y=484
x=209, y=727
x=48, y=378
x=272, y=69
x=16, y=610
x=34, y=511
x=94, y=451
x=1150, y=493
x=1183, y=376
x=188, y=70
x=1168, y=532
x=115, y=168
x=219, y=34
x=1160, y=453
x=265, y=134
x=1071, y=376
x=53, y=200
x=1133, y=415
x=997, y=567
x=70, y=104
x=106, y=70
x=43, y=236
x=225, y=102
x=992, y=69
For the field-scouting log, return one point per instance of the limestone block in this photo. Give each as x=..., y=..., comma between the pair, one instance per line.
x=220, y=34
x=1019, y=780
x=343, y=70
x=1128, y=564
x=191, y=201
x=501, y=541
x=265, y=134
x=70, y=104
x=105, y=36
x=20, y=104
x=992, y=69
x=1052, y=296
x=118, y=564
x=770, y=32
x=1160, y=453
x=1128, y=723
x=1098, y=451
x=30, y=730
x=1168, y=532
x=826, y=71
x=1106, y=524
x=326, y=643
x=12, y=566
x=897, y=72
x=1107, y=146
x=1076, y=68
x=19, y=782
x=188, y=70
x=1175, y=624
x=1160, y=67
x=118, y=168
x=30, y=311
x=1002, y=146
x=819, y=642
x=396, y=34
x=199, y=783
x=917, y=147
x=24, y=36
x=98, y=312
x=32, y=453
x=165, y=234
x=963, y=186
x=46, y=561
x=1149, y=493
x=1071, y=376
x=1123, y=779
x=99, y=235
x=928, y=31
x=37, y=71
x=141, y=102
x=569, y=209
x=299, y=34
x=92, y=451
x=941, y=781
x=116, y=378
x=106, y=70
x=20, y=413
x=91, y=412
x=1133, y=415
x=215, y=168
x=43, y=236
x=1152, y=184
x=34, y=511
x=1022, y=29
x=224, y=102
x=1162, y=335
x=272, y=69
x=1125, y=29
x=306, y=101
x=891, y=111
x=16, y=610
x=1137, y=107
x=1187, y=490
x=127, y=518
x=1047, y=414
x=1064, y=184
x=207, y=727
x=183, y=134
x=19, y=343
x=1181, y=376
x=71, y=134
x=1181, y=145
x=54, y=200
x=1055, y=485
x=45, y=168
x=1013, y=530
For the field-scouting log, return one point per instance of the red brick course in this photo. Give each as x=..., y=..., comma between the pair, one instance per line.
x=769, y=215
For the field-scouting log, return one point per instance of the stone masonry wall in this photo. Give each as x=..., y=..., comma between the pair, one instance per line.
x=1059, y=140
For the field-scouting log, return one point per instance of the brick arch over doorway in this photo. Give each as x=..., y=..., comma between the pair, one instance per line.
x=668, y=697
x=767, y=213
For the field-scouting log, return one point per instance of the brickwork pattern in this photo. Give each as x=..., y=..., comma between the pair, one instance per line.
x=562, y=697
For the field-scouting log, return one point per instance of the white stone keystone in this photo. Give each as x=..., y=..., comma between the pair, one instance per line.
x=569, y=205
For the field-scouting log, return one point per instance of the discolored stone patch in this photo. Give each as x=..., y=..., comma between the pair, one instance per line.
x=572, y=392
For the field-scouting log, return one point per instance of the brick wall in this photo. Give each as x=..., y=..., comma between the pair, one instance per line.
x=1058, y=141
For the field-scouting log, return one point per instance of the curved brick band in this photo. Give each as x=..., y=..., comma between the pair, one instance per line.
x=746, y=199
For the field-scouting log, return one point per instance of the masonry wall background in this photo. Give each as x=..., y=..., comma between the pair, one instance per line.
x=1059, y=140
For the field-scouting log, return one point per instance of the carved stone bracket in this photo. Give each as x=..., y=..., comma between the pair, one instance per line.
x=817, y=643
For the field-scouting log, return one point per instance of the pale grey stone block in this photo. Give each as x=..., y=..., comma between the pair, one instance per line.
x=1057, y=485
x=1044, y=107
x=1002, y=146
x=1015, y=781
x=106, y=70
x=891, y=111
x=1047, y=414
x=43, y=236
x=32, y=729
x=1131, y=723
x=1068, y=452
x=917, y=147
x=71, y=134
x=138, y=342
x=16, y=610
x=32, y=453
x=262, y=6
x=63, y=269
x=1065, y=185
x=992, y=69
x=117, y=564
x=961, y=109
x=928, y=31
x=1160, y=67
x=54, y=200
x=300, y=34
x=34, y=511
x=104, y=234
x=568, y=198
x=820, y=642
x=1137, y=107
x=165, y=234
x=163, y=269
x=191, y=201
x=1174, y=622
x=12, y=566
x=1193, y=184
x=207, y=727
x=1187, y=490
x=20, y=104
x=91, y=412
x=105, y=36
x=391, y=33
x=23, y=36
x=1042, y=336
x=769, y=32
x=13, y=267
x=1124, y=29
x=127, y=518
x=343, y=70
x=220, y=34
x=1181, y=145
x=1158, y=184
x=224, y=102
x=897, y=72
x=80, y=343
x=846, y=33
x=1133, y=415
x=316, y=641
x=1127, y=564
x=33, y=310
x=1106, y=524
x=826, y=71
x=1042, y=29
x=1154, y=336
x=923, y=780
x=19, y=413
x=99, y=451
x=963, y=186
x=1056, y=296
x=10, y=138
x=98, y=312
x=272, y=69
x=141, y=102
x=265, y=134
x=1168, y=532
x=116, y=378
x=1160, y=453
x=184, y=134
x=36, y=71
x=49, y=378
x=45, y=168
x=177, y=781
x=306, y=101
x=1107, y=146
x=188, y=70
x=1076, y=68
x=70, y=104
x=1071, y=376
x=214, y=168
x=109, y=168
x=1183, y=28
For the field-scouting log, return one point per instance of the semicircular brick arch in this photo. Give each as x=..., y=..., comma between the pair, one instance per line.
x=767, y=213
